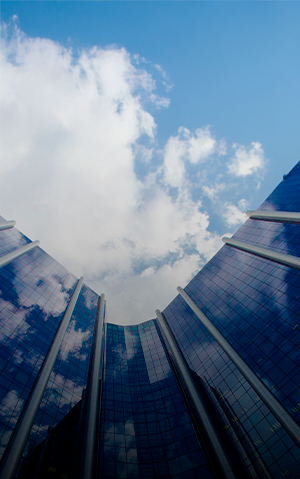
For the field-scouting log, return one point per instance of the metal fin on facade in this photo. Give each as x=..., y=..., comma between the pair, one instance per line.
x=281, y=216
x=5, y=225
x=90, y=434
x=8, y=258
x=282, y=258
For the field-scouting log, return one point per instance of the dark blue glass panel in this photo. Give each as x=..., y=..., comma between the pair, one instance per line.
x=145, y=423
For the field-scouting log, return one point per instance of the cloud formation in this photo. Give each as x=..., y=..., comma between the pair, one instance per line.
x=234, y=216
x=186, y=147
x=247, y=161
x=76, y=127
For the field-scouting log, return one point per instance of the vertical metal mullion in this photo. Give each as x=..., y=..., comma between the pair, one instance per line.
x=197, y=403
x=90, y=433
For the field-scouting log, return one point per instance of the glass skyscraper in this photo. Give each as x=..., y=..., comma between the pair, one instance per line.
x=208, y=389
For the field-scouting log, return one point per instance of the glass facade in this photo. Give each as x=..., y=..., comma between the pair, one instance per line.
x=35, y=290
x=255, y=304
x=147, y=426
x=146, y=429
x=70, y=372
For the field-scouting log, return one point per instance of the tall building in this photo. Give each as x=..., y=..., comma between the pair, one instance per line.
x=208, y=389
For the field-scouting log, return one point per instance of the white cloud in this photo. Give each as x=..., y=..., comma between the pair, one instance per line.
x=233, y=215
x=186, y=147
x=222, y=147
x=167, y=84
x=143, y=153
x=248, y=161
x=213, y=191
x=174, y=169
x=75, y=126
x=148, y=272
x=160, y=101
x=243, y=204
x=202, y=145
x=161, y=70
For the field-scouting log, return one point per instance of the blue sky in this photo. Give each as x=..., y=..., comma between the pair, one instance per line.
x=194, y=104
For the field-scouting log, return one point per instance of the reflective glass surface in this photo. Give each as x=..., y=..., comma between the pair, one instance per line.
x=11, y=239
x=255, y=304
x=146, y=430
x=70, y=372
x=281, y=237
x=34, y=293
x=247, y=428
x=286, y=196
